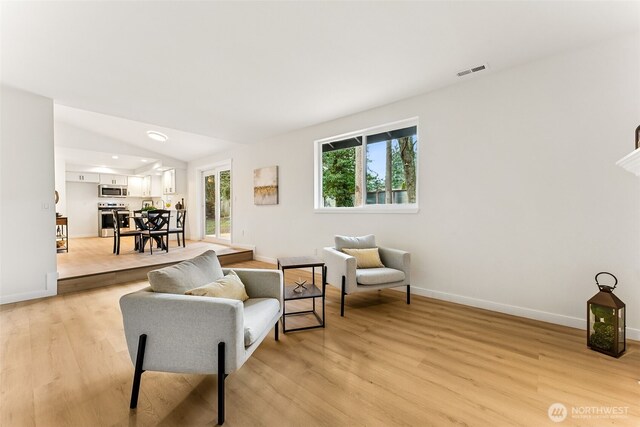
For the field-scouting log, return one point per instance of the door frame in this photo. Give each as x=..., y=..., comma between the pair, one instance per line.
x=201, y=172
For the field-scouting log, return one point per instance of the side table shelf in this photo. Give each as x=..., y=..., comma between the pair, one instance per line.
x=62, y=234
x=311, y=291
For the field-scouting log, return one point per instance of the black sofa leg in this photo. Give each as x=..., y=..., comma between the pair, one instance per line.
x=137, y=374
x=221, y=378
x=408, y=294
x=277, y=331
x=343, y=293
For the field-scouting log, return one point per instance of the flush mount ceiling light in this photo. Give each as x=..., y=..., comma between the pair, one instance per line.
x=114, y=157
x=157, y=136
x=144, y=160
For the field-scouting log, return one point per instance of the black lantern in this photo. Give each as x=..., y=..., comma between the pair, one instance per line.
x=606, y=320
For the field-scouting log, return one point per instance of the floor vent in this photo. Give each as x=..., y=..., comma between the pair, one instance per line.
x=472, y=70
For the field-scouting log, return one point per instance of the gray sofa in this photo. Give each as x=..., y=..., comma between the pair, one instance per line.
x=201, y=335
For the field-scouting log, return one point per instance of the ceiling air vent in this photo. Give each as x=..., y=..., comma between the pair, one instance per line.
x=472, y=70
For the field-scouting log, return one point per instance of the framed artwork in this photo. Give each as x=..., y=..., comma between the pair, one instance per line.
x=265, y=186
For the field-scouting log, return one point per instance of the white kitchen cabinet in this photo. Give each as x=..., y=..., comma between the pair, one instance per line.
x=174, y=181
x=91, y=178
x=134, y=186
x=169, y=181
x=152, y=186
x=113, y=179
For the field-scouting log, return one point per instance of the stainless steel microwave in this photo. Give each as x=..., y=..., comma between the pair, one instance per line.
x=112, y=191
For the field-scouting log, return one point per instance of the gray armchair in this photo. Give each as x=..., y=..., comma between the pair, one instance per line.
x=342, y=271
x=201, y=335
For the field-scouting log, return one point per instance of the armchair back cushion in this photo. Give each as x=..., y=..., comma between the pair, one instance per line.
x=362, y=242
x=189, y=274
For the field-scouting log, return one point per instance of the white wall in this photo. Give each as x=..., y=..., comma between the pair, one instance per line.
x=520, y=199
x=27, y=223
x=61, y=184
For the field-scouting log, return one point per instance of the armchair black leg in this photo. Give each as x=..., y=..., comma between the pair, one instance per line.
x=137, y=374
x=277, y=331
x=184, y=242
x=342, y=294
x=221, y=378
x=408, y=294
x=114, y=244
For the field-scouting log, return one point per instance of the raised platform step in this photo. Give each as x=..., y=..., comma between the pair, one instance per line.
x=97, y=280
x=91, y=263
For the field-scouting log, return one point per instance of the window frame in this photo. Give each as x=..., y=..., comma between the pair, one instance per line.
x=364, y=208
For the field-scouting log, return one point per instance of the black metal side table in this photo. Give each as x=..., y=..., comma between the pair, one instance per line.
x=304, y=292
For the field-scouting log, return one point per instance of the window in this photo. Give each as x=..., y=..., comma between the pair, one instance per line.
x=371, y=170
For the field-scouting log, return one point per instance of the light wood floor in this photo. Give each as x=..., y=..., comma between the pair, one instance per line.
x=92, y=255
x=64, y=362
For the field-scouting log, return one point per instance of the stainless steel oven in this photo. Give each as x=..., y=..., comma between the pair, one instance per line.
x=112, y=190
x=105, y=217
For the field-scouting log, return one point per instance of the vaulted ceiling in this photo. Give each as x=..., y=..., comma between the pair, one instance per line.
x=245, y=71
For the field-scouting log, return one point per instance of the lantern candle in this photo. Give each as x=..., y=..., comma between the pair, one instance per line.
x=606, y=320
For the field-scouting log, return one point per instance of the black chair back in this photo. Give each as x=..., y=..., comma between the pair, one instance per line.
x=181, y=217
x=158, y=220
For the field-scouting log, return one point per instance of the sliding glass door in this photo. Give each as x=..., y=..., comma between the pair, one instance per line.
x=217, y=204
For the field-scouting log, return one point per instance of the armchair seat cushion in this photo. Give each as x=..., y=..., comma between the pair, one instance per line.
x=378, y=276
x=258, y=313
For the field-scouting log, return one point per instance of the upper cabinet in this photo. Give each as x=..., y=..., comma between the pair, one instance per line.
x=169, y=181
x=134, y=186
x=174, y=181
x=92, y=178
x=152, y=186
x=113, y=179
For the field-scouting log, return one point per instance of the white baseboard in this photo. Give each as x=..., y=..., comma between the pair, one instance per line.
x=529, y=313
x=8, y=299
x=265, y=259
x=243, y=246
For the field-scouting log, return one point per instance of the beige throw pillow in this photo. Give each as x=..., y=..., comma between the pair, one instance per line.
x=229, y=286
x=365, y=258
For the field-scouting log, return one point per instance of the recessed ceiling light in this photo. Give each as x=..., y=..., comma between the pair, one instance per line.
x=144, y=160
x=114, y=157
x=157, y=136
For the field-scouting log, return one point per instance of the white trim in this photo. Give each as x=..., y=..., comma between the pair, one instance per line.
x=8, y=299
x=265, y=259
x=631, y=162
x=380, y=209
x=529, y=313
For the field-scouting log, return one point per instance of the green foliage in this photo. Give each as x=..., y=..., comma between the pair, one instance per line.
x=339, y=176
x=149, y=208
x=601, y=312
x=603, y=336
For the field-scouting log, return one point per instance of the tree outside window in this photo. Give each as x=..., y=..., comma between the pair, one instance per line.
x=391, y=169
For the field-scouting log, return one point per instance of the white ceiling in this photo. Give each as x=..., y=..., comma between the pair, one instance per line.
x=98, y=159
x=244, y=71
x=181, y=145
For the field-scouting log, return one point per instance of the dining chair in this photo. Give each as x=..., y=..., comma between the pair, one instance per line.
x=158, y=228
x=119, y=231
x=181, y=216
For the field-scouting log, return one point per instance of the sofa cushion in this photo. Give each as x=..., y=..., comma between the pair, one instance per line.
x=229, y=286
x=189, y=274
x=258, y=314
x=378, y=276
x=365, y=258
x=362, y=242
